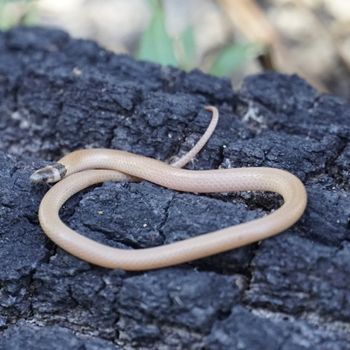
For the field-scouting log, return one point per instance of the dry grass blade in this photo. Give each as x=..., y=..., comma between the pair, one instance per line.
x=250, y=20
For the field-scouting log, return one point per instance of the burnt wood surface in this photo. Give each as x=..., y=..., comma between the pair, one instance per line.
x=292, y=291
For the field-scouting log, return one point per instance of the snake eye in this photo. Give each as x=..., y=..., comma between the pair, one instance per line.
x=49, y=174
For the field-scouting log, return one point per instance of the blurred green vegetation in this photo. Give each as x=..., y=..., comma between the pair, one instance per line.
x=157, y=46
x=229, y=58
x=15, y=12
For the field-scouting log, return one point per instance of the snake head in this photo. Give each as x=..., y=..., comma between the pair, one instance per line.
x=49, y=174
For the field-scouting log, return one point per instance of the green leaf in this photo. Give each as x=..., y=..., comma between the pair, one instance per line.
x=31, y=16
x=5, y=20
x=187, y=53
x=231, y=57
x=8, y=19
x=155, y=44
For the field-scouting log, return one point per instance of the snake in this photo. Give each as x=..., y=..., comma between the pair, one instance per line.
x=83, y=168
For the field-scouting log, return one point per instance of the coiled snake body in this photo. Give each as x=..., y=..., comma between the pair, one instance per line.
x=84, y=168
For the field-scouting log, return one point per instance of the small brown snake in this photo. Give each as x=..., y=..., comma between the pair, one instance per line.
x=84, y=168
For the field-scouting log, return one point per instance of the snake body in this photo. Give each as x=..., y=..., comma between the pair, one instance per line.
x=84, y=168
